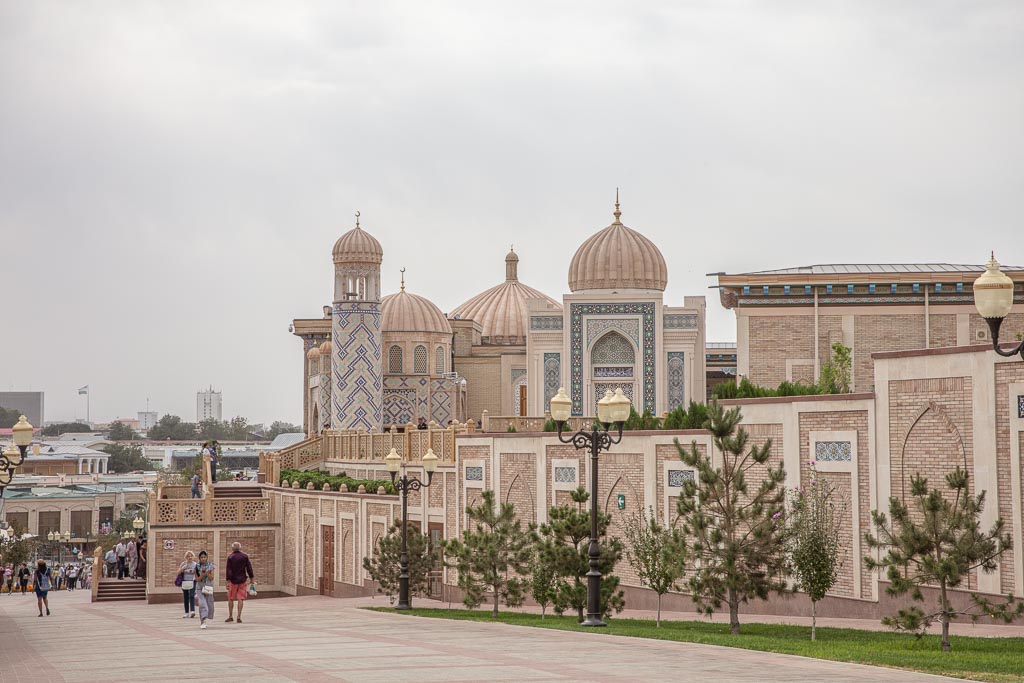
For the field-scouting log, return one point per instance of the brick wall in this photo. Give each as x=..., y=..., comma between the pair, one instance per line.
x=941, y=330
x=931, y=433
x=773, y=339
x=518, y=474
x=1012, y=326
x=484, y=385
x=874, y=333
x=1006, y=374
x=621, y=473
x=854, y=550
x=164, y=563
x=261, y=547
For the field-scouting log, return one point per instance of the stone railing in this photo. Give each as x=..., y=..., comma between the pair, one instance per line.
x=502, y=423
x=207, y=511
x=174, y=492
x=408, y=442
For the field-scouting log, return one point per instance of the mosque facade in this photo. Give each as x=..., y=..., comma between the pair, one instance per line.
x=373, y=361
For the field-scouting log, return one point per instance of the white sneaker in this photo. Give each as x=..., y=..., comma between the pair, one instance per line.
x=203, y=626
x=185, y=615
x=192, y=615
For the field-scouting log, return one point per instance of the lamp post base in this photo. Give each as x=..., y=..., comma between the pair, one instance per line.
x=592, y=621
x=403, y=606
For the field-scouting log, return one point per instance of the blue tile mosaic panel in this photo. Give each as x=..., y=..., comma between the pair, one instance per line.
x=1020, y=406
x=474, y=474
x=545, y=322
x=552, y=376
x=565, y=475
x=676, y=377
x=677, y=478
x=613, y=373
x=680, y=321
x=833, y=451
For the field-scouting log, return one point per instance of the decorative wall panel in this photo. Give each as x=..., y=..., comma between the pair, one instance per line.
x=357, y=392
x=552, y=376
x=676, y=379
x=576, y=342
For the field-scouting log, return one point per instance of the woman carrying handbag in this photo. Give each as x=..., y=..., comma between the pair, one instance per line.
x=187, y=575
x=204, y=585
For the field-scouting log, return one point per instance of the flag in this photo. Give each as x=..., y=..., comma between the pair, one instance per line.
x=83, y=390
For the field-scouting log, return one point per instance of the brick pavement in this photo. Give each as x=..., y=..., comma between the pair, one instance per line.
x=322, y=639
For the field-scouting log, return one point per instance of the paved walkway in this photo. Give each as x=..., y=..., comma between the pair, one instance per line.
x=322, y=639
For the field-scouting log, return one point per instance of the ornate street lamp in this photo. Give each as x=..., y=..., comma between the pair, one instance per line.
x=15, y=453
x=613, y=409
x=993, y=297
x=403, y=484
x=139, y=524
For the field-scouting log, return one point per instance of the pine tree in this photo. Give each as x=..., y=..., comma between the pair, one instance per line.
x=940, y=547
x=735, y=535
x=492, y=555
x=385, y=566
x=564, y=545
x=815, y=519
x=657, y=553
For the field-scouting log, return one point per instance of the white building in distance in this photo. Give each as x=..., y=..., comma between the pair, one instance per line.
x=147, y=419
x=208, y=405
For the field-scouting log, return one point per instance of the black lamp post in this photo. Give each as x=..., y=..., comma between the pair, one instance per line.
x=613, y=409
x=403, y=484
x=993, y=297
x=16, y=453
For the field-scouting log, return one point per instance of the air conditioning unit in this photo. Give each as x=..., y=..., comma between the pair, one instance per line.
x=981, y=335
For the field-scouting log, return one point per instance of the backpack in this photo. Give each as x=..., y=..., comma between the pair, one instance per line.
x=44, y=581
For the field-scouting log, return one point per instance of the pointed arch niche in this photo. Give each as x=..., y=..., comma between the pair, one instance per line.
x=612, y=364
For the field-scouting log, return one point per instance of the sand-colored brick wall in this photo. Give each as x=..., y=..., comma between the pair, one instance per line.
x=1012, y=326
x=941, y=330
x=1006, y=374
x=261, y=547
x=773, y=340
x=874, y=333
x=164, y=563
x=484, y=385
x=518, y=474
x=931, y=433
x=854, y=549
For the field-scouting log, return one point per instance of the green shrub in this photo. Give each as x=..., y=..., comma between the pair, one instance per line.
x=319, y=478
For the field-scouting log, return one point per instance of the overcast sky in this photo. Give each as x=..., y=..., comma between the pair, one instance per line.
x=173, y=175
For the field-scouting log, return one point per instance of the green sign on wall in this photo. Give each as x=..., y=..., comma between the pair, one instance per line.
x=621, y=499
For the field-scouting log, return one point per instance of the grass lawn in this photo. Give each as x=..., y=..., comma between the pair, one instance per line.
x=979, y=659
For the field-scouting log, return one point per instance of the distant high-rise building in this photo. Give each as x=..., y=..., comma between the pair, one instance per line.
x=208, y=405
x=29, y=403
x=147, y=419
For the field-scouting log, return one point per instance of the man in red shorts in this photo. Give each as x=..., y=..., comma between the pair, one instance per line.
x=238, y=573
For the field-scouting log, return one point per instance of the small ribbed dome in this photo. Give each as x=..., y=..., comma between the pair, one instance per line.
x=617, y=258
x=502, y=310
x=405, y=312
x=357, y=246
x=313, y=353
x=326, y=348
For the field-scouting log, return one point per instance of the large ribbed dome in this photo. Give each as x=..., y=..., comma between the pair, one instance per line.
x=501, y=310
x=617, y=258
x=405, y=312
x=357, y=246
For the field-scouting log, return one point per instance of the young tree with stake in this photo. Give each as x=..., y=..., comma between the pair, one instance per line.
x=657, y=554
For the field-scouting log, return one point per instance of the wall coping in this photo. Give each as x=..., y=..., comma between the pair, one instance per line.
x=554, y=435
x=941, y=351
x=320, y=492
x=808, y=398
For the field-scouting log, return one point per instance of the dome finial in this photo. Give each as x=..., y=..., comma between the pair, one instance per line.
x=357, y=219
x=403, y=279
x=617, y=213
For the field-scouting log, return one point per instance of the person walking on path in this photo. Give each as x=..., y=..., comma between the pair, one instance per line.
x=8, y=579
x=187, y=569
x=204, y=588
x=133, y=559
x=43, y=583
x=121, y=551
x=140, y=571
x=238, y=572
x=72, y=577
x=62, y=574
x=196, y=491
x=23, y=575
x=109, y=563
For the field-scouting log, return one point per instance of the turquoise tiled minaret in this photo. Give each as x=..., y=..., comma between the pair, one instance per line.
x=356, y=370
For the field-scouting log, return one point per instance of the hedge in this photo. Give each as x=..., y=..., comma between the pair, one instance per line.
x=319, y=478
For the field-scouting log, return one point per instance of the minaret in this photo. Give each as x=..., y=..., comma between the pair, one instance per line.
x=357, y=383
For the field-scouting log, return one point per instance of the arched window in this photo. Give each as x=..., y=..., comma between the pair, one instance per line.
x=612, y=349
x=395, y=360
x=419, y=360
x=439, y=360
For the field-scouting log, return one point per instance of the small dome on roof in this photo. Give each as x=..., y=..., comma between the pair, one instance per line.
x=502, y=310
x=357, y=246
x=313, y=353
x=407, y=312
x=326, y=348
x=618, y=258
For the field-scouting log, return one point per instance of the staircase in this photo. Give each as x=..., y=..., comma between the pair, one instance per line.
x=237, y=489
x=127, y=589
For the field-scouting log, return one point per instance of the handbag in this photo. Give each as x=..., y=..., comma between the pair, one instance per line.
x=179, y=578
x=207, y=590
x=187, y=585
